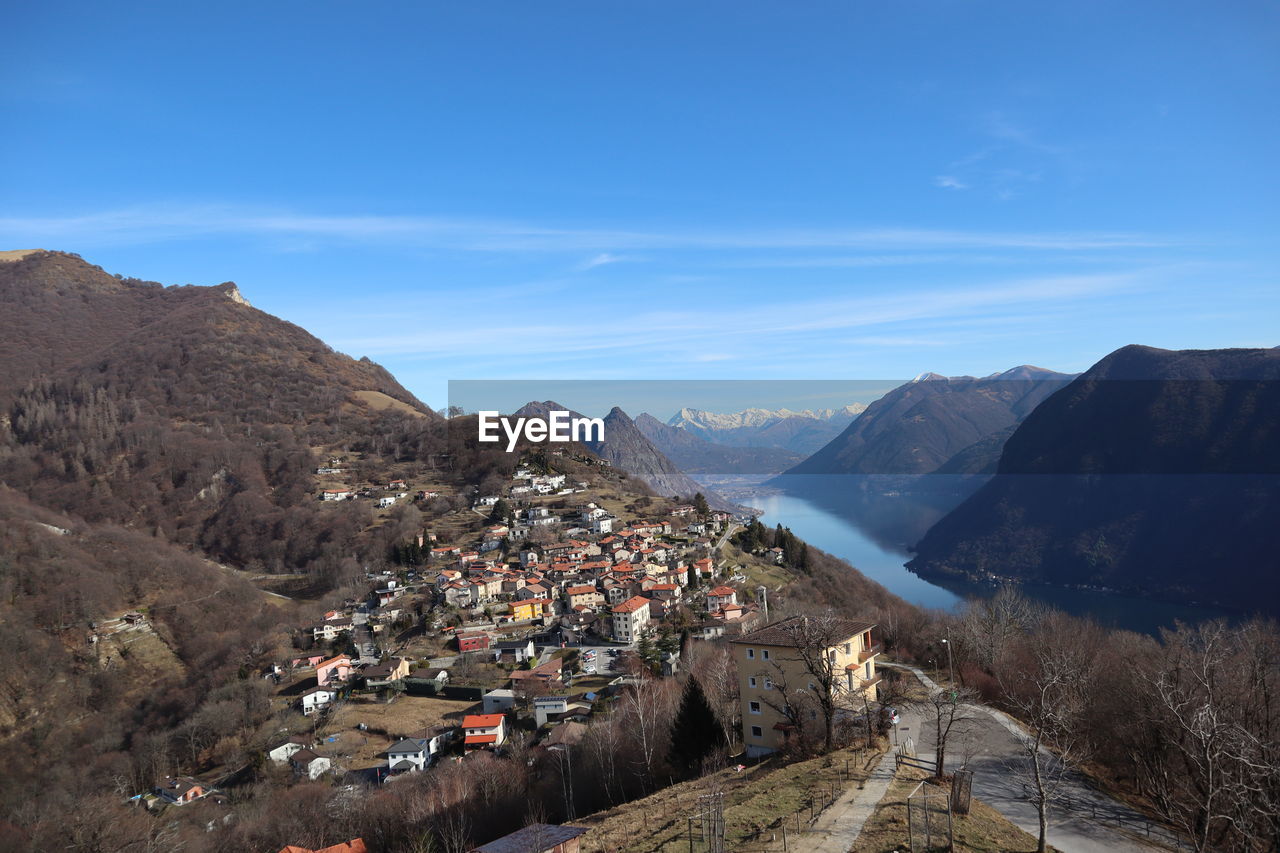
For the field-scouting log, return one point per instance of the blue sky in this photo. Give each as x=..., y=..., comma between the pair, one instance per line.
x=653, y=190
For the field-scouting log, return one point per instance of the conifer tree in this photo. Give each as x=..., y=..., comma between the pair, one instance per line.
x=695, y=731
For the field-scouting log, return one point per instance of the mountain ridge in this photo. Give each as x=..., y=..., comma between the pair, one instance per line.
x=1154, y=472
x=694, y=454
x=798, y=432
x=918, y=427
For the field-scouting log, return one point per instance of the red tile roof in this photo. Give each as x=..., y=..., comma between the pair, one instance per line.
x=481, y=721
x=631, y=605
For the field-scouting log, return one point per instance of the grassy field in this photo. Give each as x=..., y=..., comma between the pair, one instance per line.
x=756, y=801
x=405, y=716
x=758, y=571
x=983, y=830
x=378, y=401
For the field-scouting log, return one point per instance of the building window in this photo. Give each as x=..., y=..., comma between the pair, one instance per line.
x=751, y=654
x=751, y=681
x=754, y=707
x=756, y=731
x=868, y=670
x=768, y=684
x=848, y=648
x=764, y=653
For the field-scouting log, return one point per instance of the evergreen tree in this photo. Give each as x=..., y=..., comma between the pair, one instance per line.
x=700, y=505
x=647, y=651
x=501, y=512
x=695, y=732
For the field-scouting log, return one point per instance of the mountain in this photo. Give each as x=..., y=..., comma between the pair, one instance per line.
x=694, y=454
x=1155, y=472
x=159, y=456
x=187, y=412
x=626, y=447
x=62, y=315
x=919, y=427
x=800, y=432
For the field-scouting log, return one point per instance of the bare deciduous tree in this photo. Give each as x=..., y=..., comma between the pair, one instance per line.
x=1048, y=688
x=951, y=712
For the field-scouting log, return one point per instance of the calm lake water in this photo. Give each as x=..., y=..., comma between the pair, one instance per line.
x=870, y=528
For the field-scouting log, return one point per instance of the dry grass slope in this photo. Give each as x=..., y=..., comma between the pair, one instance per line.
x=757, y=801
x=983, y=830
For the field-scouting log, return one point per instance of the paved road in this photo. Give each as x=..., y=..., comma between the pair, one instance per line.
x=991, y=746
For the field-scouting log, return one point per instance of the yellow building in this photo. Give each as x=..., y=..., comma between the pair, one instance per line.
x=533, y=608
x=797, y=674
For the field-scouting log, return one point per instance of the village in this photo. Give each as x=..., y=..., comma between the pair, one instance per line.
x=526, y=616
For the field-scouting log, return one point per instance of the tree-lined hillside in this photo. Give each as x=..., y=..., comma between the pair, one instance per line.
x=1156, y=471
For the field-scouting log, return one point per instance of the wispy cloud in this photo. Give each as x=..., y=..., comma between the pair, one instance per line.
x=765, y=324
x=601, y=260
x=1000, y=126
x=158, y=224
x=1012, y=158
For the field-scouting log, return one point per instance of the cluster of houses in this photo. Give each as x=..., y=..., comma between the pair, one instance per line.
x=398, y=489
x=603, y=577
x=590, y=577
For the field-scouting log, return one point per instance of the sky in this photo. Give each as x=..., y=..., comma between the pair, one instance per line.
x=668, y=190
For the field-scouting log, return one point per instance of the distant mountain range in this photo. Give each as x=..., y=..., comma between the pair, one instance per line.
x=695, y=455
x=936, y=424
x=1155, y=471
x=800, y=432
x=626, y=447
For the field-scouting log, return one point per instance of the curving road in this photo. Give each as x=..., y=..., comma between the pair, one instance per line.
x=991, y=746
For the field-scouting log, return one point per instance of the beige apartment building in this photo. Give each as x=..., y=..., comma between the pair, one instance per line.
x=787, y=670
x=629, y=619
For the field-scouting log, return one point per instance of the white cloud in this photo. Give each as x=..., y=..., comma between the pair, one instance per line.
x=158, y=224
x=600, y=260
x=947, y=182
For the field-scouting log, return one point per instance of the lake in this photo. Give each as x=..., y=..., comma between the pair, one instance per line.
x=869, y=523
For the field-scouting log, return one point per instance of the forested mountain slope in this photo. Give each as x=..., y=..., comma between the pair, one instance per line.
x=918, y=427
x=1155, y=471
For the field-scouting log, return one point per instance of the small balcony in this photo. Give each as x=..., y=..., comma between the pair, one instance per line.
x=866, y=654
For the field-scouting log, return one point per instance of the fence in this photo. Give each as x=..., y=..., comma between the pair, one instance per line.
x=718, y=828
x=905, y=756
x=929, y=819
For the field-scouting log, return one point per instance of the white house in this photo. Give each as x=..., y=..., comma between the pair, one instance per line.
x=498, y=701
x=283, y=752
x=317, y=699
x=545, y=706
x=307, y=763
x=520, y=650
x=330, y=629
x=483, y=731
x=408, y=756
x=720, y=596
